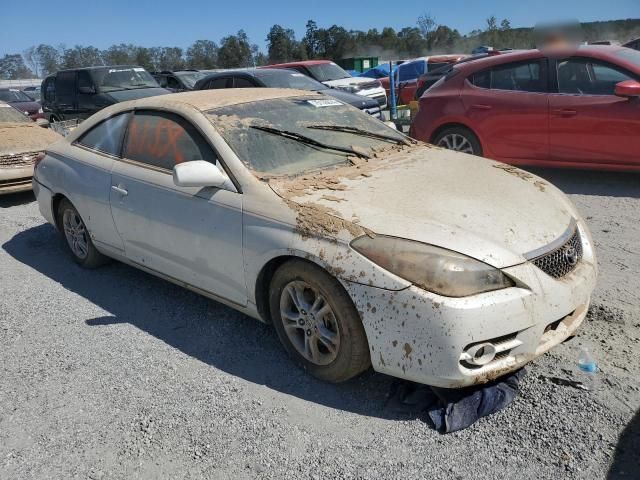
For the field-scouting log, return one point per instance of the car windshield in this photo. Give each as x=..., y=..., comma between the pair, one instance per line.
x=11, y=115
x=290, y=80
x=12, y=95
x=123, y=78
x=251, y=130
x=630, y=55
x=190, y=78
x=325, y=72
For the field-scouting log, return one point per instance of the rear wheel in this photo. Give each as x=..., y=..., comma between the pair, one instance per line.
x=459, y=139
x=77, y=237
x=317, y=322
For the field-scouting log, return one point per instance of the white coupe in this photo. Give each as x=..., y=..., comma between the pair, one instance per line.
x=361, y=246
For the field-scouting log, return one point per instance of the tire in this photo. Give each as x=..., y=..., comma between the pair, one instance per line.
x=77, y=237
x=322, y=316
x=462, y=138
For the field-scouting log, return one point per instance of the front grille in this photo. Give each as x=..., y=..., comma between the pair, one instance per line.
x=563, y=260
x=18, y=160
x=381, y=99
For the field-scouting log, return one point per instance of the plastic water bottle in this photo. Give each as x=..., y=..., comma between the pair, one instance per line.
x=588, y=369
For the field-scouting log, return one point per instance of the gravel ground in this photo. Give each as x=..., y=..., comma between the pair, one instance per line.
x=114, y=373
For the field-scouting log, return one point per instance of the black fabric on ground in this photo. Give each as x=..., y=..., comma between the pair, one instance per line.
x=449, y=410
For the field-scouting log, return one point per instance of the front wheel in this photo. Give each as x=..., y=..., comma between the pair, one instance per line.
x=459, y=139
x=317, y=322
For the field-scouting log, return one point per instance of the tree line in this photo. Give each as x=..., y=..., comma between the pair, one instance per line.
x=334, y=43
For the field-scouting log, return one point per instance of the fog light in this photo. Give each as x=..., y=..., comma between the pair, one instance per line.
x=481, y=354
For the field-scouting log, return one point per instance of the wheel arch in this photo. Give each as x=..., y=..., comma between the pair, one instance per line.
x=55, y=204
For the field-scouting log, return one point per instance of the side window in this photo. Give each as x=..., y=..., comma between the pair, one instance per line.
x=84, y=79
x=107, y=136
x=66, y=84
x=521, y=77
x=162, y=140
x=410, y=71
x=583, y=76
x=239, y=82
x=162, y=80
x=218, y=83
x=481, y=79
x=173, y=82
x=49, y=89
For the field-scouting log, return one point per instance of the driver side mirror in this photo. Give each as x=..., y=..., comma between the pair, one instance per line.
x=628, y=89
x=88, y=90
x=199, y=173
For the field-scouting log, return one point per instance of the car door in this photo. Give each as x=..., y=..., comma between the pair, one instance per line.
x=65, y=103
x=85, y=95
x=588, y=122
x=508, y=107
x=193, y=235
x=89, y=186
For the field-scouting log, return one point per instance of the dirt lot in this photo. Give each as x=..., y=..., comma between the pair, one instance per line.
x=116, y=374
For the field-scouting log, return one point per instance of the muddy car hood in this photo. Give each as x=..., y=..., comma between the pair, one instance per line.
x=25, y=137
x=490, y=211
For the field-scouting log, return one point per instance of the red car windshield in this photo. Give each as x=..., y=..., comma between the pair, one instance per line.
x=12, y=95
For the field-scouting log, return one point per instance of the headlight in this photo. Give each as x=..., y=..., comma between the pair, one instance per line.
x=435, y=269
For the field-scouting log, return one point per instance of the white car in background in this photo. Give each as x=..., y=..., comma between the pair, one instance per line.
x=362, y=247
x=335, y=76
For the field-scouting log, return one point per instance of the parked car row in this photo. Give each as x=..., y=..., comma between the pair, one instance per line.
x=568, y=107
x=284, y=78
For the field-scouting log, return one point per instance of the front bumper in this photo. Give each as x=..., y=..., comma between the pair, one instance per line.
x=13, y=180
x=421, y=336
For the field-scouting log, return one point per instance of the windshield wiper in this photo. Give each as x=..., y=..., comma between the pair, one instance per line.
x=361, y=132
x=308, y=140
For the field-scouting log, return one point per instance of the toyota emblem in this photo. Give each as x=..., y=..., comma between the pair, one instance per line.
x=570, y=255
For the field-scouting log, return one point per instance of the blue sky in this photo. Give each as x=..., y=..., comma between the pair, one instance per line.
x=178, y=23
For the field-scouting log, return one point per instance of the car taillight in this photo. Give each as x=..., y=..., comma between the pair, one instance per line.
x=38, y=159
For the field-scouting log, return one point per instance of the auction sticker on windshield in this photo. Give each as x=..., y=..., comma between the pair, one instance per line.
x=324, y=103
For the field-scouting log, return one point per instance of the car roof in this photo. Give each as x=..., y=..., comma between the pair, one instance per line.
x=603, y=52
x=302, y=62
x=98, y=67
x=205, y=100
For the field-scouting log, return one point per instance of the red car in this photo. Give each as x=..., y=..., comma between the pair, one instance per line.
x=21, y=101
x=575, y=107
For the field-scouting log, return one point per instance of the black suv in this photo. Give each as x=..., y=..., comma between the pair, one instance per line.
x=284, y=78
x=81, y=92
x=178, y=80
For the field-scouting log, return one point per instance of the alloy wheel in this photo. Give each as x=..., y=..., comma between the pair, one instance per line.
x=457, y=142
x=75, y=233
x=309, y=322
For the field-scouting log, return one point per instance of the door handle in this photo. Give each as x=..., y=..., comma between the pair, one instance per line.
x=481, y=106
x=565, y=112
x=120, y=190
